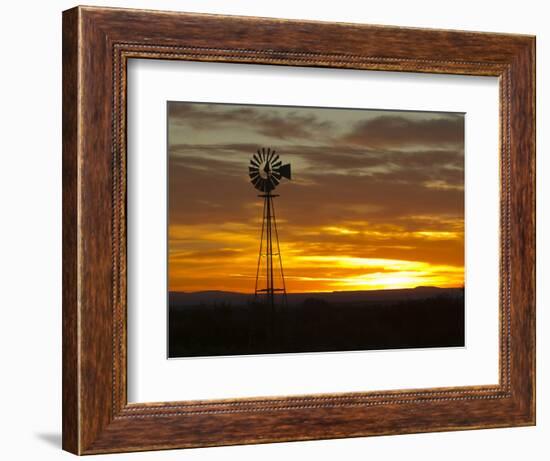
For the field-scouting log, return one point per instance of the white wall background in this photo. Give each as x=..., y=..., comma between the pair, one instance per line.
x=30, y=231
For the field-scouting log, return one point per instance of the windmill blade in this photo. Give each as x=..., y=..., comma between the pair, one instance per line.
x=274, y=181
x=253, y=176
x=258, y=182
x=275, y=157
x=257, y=158
x=253, y=170
x=276, y=174
x=254, y=162
x=263, y=154
x=277, y=165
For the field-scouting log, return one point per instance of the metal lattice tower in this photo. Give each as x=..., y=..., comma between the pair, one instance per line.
x=265, y=171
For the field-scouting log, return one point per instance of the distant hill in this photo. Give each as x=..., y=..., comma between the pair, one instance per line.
x=365, y=296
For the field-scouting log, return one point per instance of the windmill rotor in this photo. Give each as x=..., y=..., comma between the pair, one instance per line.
x=266, y=170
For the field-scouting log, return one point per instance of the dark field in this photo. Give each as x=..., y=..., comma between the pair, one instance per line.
x=220, y=323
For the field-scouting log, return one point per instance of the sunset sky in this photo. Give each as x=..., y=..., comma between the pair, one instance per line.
x=376, y=199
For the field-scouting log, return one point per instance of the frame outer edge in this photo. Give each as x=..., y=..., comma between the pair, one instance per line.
x=70, y=177
x=90, y=415
x=522, y=192
x=533, y=51
x=529, y=140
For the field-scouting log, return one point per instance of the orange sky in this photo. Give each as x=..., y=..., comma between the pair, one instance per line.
x=376, y=200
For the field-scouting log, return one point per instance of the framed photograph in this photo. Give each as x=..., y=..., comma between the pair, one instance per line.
x=365, y=208
x=280, y=230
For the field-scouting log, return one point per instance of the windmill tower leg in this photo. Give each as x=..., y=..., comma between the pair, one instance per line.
x=278, y=249
x=266, y=250
x=260, y=254
x=270, y=248
x=269, y=263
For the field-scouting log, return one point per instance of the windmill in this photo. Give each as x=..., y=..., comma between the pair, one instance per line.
x=265, y=171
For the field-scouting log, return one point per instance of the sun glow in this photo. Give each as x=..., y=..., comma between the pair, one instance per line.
x=206, y=257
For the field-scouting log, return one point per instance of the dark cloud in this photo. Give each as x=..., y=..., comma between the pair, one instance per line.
x=207, y=195
x=400, y=131
x=204, y=188
x=392, y=183
x=325, y=158
x=291, y=125
x=341, y=198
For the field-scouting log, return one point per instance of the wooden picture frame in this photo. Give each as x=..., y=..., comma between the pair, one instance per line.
x=97, y=43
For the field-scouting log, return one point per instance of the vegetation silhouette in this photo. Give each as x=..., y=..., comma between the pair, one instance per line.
x=317, y=323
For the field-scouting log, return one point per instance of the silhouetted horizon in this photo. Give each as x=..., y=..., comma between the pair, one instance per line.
x=420, y=287
x=216, y=297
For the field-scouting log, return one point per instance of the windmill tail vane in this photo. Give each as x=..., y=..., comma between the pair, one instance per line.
x=266, y=171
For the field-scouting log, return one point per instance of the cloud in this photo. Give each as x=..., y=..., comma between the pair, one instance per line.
x=280, y=123
x=400, y=131
x=210, y=184
x=387, y=187
x=325, y=159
